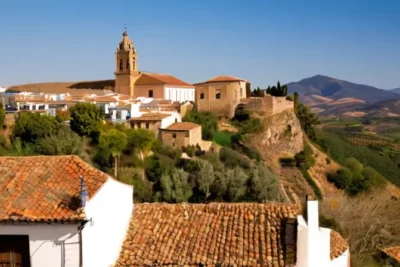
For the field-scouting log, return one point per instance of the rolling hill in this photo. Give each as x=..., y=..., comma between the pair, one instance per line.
x=335, y=89
x=395, y=90
x=331, y=96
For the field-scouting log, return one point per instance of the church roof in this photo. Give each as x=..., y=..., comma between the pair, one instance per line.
x=45, y=188
x=147, y=78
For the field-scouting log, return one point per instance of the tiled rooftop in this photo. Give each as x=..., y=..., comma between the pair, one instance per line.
x=164, y=79
x=45, y=188
x=393, y=252
x=224, y=79
x=183, y=126
x=216, y=234
x=151, y=116
x=338, y=245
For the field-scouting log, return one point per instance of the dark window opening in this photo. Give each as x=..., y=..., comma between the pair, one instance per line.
x=218, y=95
x=139, y=125
x=127, y=64
x=14, y=251
x=121, y=67
x=174, y=136
x=201, y=95
x=150, y=93
x=147, y=125
x=176, y=119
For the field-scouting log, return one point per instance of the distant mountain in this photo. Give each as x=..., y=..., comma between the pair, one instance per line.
x=395, y=90
x=335, y=89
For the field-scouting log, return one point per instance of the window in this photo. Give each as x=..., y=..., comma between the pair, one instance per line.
x=127, y=64
x=176, y=119
x=174, y=135
x=139, y=125
x=147, y=125
x=202, y=95
x=218, y=94
x=150, y=93
x=14, y=250
x=121, y=67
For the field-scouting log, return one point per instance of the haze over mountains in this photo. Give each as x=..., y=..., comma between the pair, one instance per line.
x=330, y=96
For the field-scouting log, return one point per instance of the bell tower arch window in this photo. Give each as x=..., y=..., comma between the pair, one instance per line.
x=121, y=67
x=127, y=64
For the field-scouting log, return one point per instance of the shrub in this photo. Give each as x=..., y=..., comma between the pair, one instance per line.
x=263, y=185
x=30, y=127
x=175, y=187
x=342, y=178
x=232, y=158
x=328, y=161
x=354, y=165
x=305, y=158
x=190, y=150
x=142, y=189
x=207, y=120
x=287, y=162
x=64, y=142
x=312, y=183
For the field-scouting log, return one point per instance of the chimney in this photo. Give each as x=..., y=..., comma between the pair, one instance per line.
x=84, y=193
x=313, y=232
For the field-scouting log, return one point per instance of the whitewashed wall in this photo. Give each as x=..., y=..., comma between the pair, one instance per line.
x=342, y=260
x=45, y=240
x=110, y=211
x=179, y=94
x=175, y=117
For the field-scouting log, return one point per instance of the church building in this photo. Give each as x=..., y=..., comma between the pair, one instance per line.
x=130, y=81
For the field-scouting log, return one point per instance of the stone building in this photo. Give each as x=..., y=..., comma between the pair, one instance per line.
x=181, y=134
x=130, y=81
x=221, y=95
x=268, y=104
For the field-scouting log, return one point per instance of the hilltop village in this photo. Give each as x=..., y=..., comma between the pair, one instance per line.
x=58, y=210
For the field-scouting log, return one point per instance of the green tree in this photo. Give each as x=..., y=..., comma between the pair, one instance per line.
x=140, y=140
x=205, y=177
x=175, y=186
x=308, y=120
x=2, y=115
x=115, y=142
x=85, y=119
x=30, y=127
x=263, y=185
x=207, y=120
x=342, y=178
x=64, y=142
x=236, y=184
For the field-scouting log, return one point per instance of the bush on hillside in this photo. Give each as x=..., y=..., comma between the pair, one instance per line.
x=207, y=120
x=342, y=178
x=231, y=158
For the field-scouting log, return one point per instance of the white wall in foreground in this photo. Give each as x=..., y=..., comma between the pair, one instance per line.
x=110, y=211
x=45, y=243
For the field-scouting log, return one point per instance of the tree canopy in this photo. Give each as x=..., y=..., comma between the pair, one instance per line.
x=30, y=127
x=85, y=119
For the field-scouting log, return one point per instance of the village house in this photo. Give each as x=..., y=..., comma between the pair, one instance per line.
x=58, y=211
x=221, y=95
x=182, y=134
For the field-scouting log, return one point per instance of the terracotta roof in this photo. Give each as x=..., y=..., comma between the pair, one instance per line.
x=182, y=126
x=151, y=116
x=80, y=88
x=45, y=188
x=393, y=252
x=165, y=79
x=216, y=234
x=224, y=79
x=338, y=245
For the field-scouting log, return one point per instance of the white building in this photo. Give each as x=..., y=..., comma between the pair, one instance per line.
x=60, y=212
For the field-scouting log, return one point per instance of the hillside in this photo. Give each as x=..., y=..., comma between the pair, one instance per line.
x=395, y=90
x=335, y=89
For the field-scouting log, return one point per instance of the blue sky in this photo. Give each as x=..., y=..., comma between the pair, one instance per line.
x=262, y=41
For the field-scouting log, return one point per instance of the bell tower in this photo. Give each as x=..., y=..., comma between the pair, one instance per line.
x=126, y=71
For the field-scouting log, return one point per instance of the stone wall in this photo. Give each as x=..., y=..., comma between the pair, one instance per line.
x=269, y=105
x=181, y=138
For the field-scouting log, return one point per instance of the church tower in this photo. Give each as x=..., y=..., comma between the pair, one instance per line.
x=126, y=66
